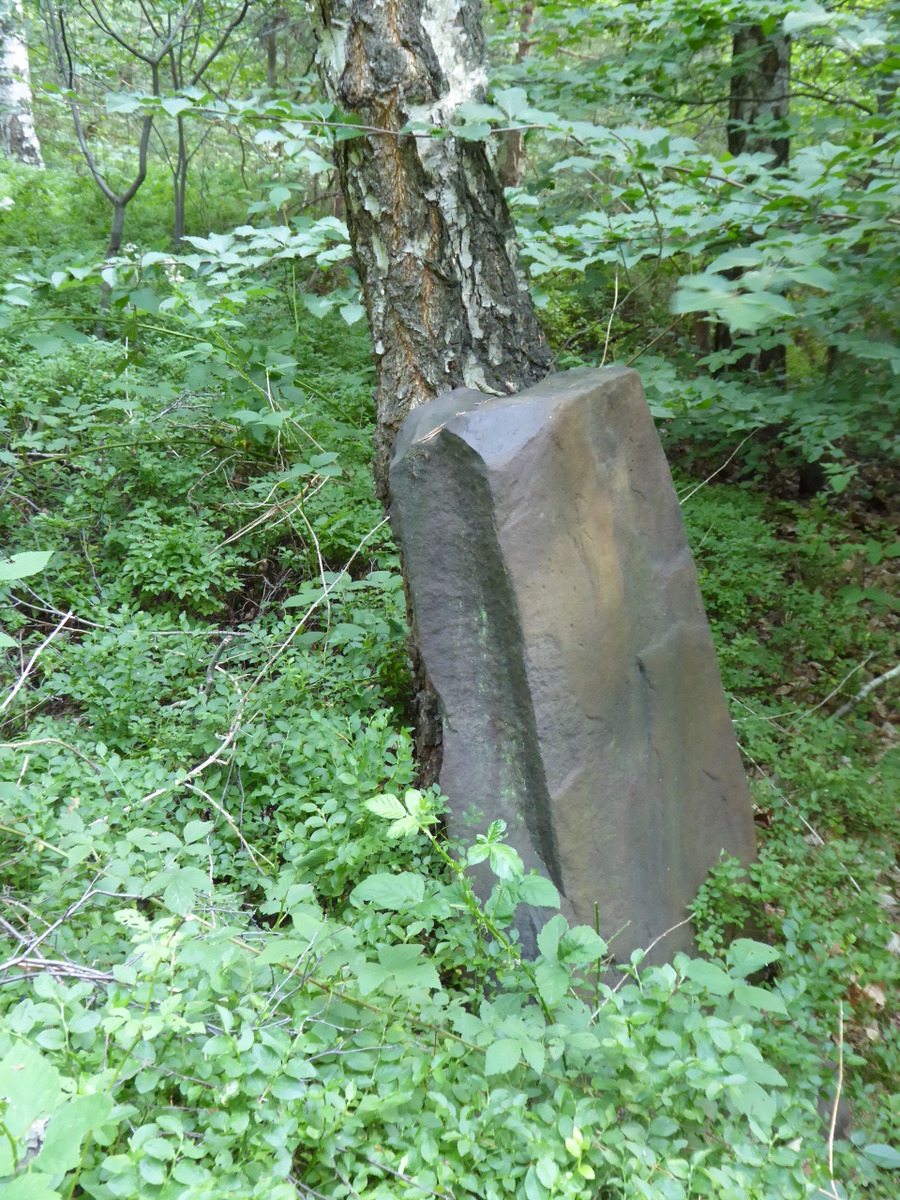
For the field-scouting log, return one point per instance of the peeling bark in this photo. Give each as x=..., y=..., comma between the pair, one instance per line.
x=17, y=132
x=432, y=237
x=433, y=240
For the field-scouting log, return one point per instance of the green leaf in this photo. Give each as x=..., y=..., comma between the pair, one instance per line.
x=549, y=936
x=194, y=830
x=883, y=1155
x=24, y=1104
x=45, y=343
x=505, y=861
x=537, y=890
x=20, y=566
x=581, y=944
x=406, y=970
x=385, y=890
x=174, y=105
x=502, y=1055
x=553, y=981
x=746, y=956
x=144, y=299
x=760, y=999
x=710, y=977
x=122, y=102
x=69, y=1126
x=30, y=1187
x=386, y=806
x=352, y=313
x=279, y=195
x=6, y=640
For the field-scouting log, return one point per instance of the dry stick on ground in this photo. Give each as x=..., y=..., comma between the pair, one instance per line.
x=30, y=664
x=684, y=499
x=834, y=692
x=863, y=692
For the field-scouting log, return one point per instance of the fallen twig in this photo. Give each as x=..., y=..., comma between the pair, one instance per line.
x=865, y=691
x=30, y=664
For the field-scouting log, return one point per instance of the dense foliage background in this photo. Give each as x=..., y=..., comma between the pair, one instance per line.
x=237, y=957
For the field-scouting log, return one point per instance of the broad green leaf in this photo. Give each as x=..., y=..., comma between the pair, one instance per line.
x=807, y=14
x=549, y=937
x=6, y=640
x=122, y=102
x=397, y=892
x=710, y=977
x=174, y=105
x=553, y=981
x=534, y=1055
x=386, y=806
x=195, y=830
x=883, y=1155
x=581, y=944
x=760, y=999
x=407, y=970
x=144, y=299
x=45, y=343
x=746, y=956
x=537, y=890
x=279, y=195
x=30, y=1187
x=502, y=1055
x=352, y=313
x=30, y=1087
x=505, y=862
x=20, y=566
x=68, y=1127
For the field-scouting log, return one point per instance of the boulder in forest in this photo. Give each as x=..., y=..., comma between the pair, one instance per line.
x=558, y=613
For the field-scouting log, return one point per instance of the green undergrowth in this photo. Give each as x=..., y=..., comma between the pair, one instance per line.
x=238, y=956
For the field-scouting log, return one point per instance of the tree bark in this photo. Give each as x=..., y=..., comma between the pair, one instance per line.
x=512, y=141
x=757, y=115
x=760, y=94
x=432, y=237
x=17, y=133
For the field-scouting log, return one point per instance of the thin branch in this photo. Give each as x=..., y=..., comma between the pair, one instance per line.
x=837, y=1093
x=240, y=837
x=863, y=692
x=832, y=693
x=684, y=499
x=30, y=665
x=615, y=305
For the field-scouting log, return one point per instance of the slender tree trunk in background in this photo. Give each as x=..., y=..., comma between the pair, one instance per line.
x=509, y=153
x=757, y=114
x=179, y=184
x=760, y=94
x=432, y=237
x=271, y=61
x=17, y=134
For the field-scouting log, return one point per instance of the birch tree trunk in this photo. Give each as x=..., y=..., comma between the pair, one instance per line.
x=432, y=237
x=433, y=240
x=17, y=133
x=760, y=94
x=757, y=114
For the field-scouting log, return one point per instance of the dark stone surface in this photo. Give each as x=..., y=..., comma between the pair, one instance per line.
x=561, y=624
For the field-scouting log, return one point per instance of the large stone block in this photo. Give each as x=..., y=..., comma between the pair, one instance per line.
x=560, y=621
